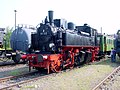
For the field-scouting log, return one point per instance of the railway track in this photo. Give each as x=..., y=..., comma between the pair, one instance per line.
x=107, y=82
x=12, y=81
x=8, y=68
x=16, y=81
x=9, y=63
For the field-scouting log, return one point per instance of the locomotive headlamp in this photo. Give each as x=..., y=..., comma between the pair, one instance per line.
x=51, y=45
x=45, y=57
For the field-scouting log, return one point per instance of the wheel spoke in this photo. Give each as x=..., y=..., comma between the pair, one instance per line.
x=56, y=67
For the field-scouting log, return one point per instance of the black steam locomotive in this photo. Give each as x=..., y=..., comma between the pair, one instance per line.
x=55, y=45
x=52, y=35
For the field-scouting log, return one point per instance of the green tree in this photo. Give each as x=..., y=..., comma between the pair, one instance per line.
x=8, y=32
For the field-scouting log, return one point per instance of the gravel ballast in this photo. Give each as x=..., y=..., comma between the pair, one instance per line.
x=83, y=78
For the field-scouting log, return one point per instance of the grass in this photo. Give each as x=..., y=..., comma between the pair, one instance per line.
x=17, y=71
x=14, y=73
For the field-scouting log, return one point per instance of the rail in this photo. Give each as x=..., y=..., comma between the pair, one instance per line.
x=107, y=79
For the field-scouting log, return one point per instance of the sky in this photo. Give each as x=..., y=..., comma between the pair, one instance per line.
x=98, y=14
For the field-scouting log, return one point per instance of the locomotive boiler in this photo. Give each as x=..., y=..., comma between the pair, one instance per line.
x=55, y=46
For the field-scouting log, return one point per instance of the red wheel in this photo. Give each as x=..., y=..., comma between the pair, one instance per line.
x=71, y=66
x=56, y=67
x=72, y=61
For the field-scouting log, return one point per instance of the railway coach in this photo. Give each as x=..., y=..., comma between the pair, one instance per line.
x=106, y=42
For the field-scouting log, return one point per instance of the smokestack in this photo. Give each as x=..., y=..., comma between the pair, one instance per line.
x=50, y=15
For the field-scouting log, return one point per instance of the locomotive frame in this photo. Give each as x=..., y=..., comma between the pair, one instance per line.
x=69, y=57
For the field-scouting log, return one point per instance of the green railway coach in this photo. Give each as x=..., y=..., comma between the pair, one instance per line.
x=106, y=42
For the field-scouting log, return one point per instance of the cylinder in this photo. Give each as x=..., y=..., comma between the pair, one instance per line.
x=50, y=15
x=71, y=26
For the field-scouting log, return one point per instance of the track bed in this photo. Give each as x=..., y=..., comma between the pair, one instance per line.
x=83, y=78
